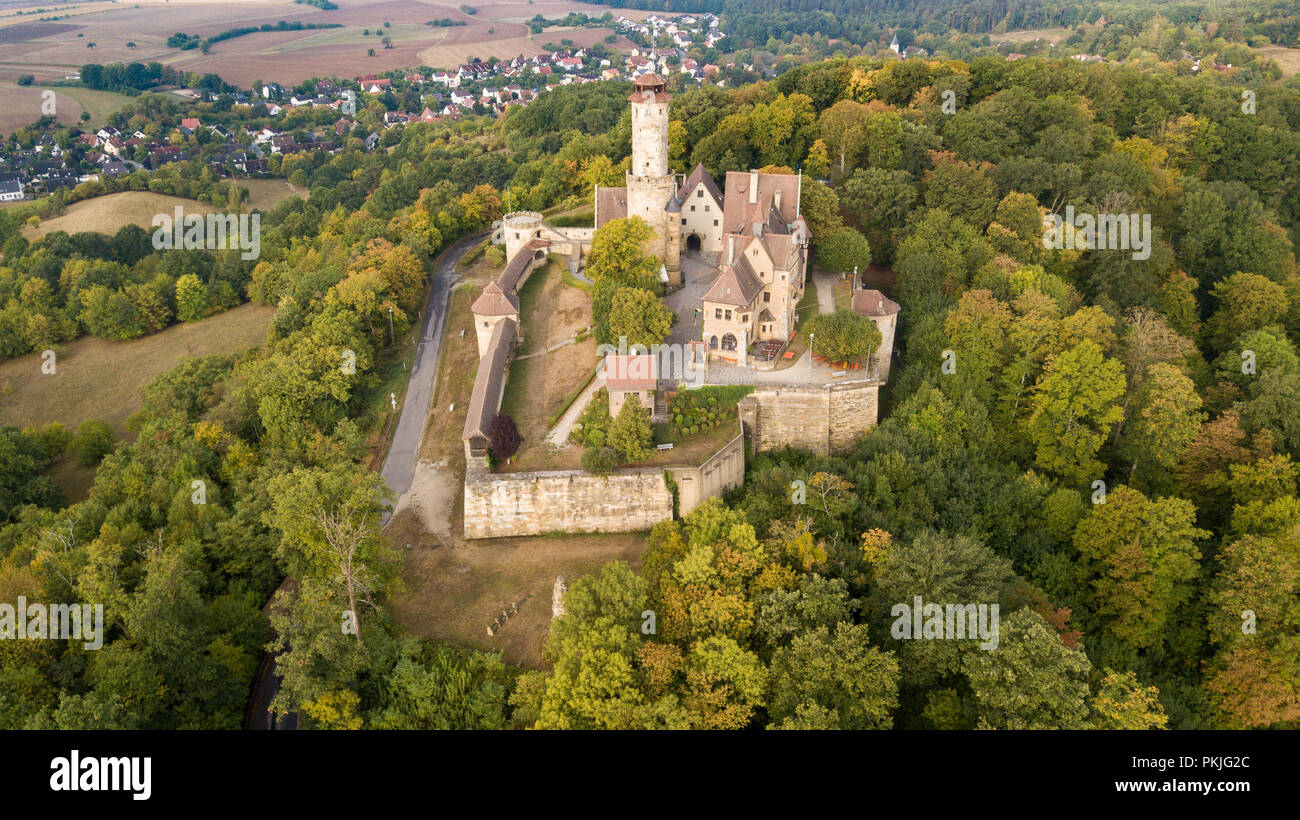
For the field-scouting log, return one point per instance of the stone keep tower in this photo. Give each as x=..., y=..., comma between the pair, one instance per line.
x=518, y=229
x=650, y=185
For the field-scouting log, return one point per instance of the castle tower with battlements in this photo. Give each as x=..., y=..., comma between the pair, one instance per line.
x=650, y=188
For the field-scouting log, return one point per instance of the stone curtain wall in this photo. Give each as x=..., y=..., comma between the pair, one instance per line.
x=502, y=505
x=724, y=470
x=820, y=418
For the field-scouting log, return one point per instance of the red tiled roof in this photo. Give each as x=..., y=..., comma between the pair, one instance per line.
x=494, y=301
x=632, y=372
x=873, y=303
x=611, y=203
x=737, y=207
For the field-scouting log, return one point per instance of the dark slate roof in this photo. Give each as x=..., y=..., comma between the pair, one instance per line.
x=736, y=284
x=699, y=175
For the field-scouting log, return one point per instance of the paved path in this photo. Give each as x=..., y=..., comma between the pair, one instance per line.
x=698, y=271
x=825, y=291
x=404, y=452
x=554, y=347
x=559, y=435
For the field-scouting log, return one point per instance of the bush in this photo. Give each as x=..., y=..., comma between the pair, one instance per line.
x=53, y=438
x=504, y=437
x=599, y=460
x=94, y=441
x=630, y=433
x=843, y=335
x=595, y=417
x=26, y=79
x=694, y=410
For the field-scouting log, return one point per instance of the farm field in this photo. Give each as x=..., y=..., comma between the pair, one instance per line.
x=23, y=104
x=1288, y=59
x=120, y=33
x=110, y=213
x=102, y=379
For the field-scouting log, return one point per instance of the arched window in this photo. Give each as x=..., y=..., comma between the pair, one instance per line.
x=728, y=342
x=713, y=342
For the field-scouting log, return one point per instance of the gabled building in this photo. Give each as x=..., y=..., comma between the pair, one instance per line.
x=631, y=376
x=763, y=263
x=700, y=206
x=11, y=190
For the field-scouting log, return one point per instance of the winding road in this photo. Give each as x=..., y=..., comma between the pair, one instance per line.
x=403, y=454
x=404, y=451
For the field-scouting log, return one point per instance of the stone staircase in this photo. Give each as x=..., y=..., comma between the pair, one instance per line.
x=660, y=412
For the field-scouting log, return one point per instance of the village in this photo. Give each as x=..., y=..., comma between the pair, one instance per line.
x=488, y=88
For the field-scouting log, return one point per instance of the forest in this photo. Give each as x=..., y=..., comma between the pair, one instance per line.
x=1104, y=446
x=859, y=22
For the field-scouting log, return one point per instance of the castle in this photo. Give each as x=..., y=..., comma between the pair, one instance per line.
x=750, y=264
x=755, y=228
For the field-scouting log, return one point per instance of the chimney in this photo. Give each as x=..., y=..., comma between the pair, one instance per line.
x=753, y=187
x=731, y=249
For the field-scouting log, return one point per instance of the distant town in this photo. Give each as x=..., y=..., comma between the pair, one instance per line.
x=482, y=87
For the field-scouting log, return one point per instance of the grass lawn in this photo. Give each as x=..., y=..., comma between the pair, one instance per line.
x=99, y=104
x=458, y=363
x=1288, y=59
x=24, y=105
x=69, y=476
x=843, y=293
x=110, y=213
x=537, y=387
x=265, y=194
x=102, y=380
x=454, y=593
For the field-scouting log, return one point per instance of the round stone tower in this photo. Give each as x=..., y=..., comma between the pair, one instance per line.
x=650, y=185
x=649, y=127
x=518, y=228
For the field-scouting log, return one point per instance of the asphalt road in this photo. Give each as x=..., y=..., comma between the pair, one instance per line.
x=404, y=451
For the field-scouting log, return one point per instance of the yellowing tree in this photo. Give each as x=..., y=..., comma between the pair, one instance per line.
x=1074, y=405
